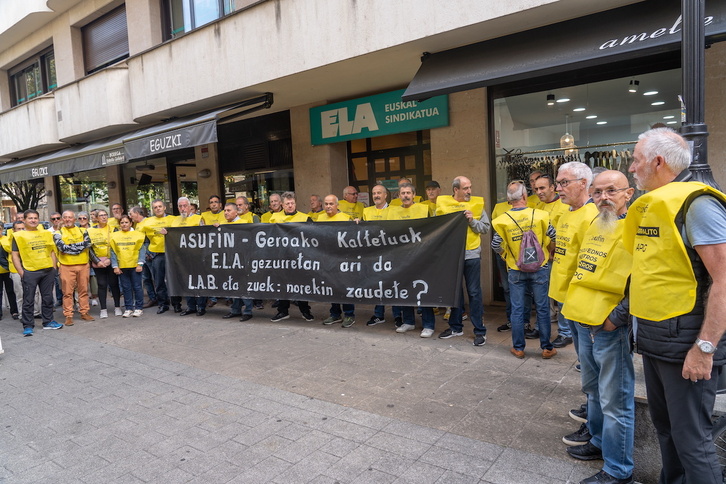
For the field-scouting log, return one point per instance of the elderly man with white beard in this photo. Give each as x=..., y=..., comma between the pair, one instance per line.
x=596, y=301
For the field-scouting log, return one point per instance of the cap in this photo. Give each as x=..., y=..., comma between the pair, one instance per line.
x=433, y=184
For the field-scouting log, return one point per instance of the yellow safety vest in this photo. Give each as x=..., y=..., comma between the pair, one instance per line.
x=100, y=239
x=533, y=200
x=571, y=229
x=247, y=218
x=113, y=223
x=72, y=236
x=663, y=284
x=355, y=210
x=126, y=246
x=512, y=235
x=448, y=204
x=338, y=217
x=314, y=215
x=150, y=226
x=432, y=207
x=555, y=209
x=189, y=221
x=599, y=281
x=7, y=246
x=373, y=213
x=213, y=218
x=417, y=210
x=501, y=208
x=267, y=216
x=35, y=247
x=282, y=218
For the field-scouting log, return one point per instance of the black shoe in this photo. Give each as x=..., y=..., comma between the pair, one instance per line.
x=230, y=316
x=579, y=414
x=505, y=327
x=186, y=312
x=177, y=308
x=259, y=306
x=398, y=321
x=151, y=303
x=279, y=317
x=531, y=333
x=579, y=437
x=162, y=309
x=308, y=316
x=16, y=316
x=245, y=317
x=560, y=342
x=201, y=312
x=585, y=452
x=603, y=477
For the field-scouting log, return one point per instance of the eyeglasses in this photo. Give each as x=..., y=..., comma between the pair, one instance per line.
x=82, y=218
x=564, y=183
x=102, y=215
x=55, y=218
x=609, y=192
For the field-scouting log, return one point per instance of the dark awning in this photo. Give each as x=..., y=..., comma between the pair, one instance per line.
x=625, y=33
x=186, y=132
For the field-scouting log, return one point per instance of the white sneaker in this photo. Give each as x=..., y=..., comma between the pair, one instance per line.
x=127, y=314
x=94, y=302
x=405, y=327
x=104, y=313
x=118, y=311
x=427, y=333
x=138, y=313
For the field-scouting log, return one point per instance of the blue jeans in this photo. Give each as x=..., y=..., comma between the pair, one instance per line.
x=148, y=281
x=472, y=274
x=348, y=310
x=158, y=273
x=520, y=285
x=131, y=287
x=564, y=325
x=427, y=316
x=608, y=379
x=237, y=306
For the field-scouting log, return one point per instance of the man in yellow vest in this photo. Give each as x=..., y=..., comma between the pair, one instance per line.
x=275, y=207
x=316, y=207
x=243, y=211
x=677, y=235
x=473, y=209
x=509, y=230
x=379, y=211
x=34, y=258
x=433, y=190
x=215, y=214
x=397, y=200
x=533, y=199
x=156, y=255
x=573, y=181
x=350, y=204
x=72, y=244
x=116, y=211
x=596, y=302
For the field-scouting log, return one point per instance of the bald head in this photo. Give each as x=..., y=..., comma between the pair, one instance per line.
x=350, y=194
x=611, y=191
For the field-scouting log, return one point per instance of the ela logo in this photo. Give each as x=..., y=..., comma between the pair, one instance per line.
x=337, y=123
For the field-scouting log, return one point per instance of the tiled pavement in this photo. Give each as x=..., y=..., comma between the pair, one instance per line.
x=167, y=399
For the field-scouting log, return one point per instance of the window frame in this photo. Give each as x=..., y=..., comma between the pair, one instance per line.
x=225, y=7
x=98, y=25
x=40, y=61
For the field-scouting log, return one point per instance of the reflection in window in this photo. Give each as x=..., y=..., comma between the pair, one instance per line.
x=186, y=15
x=34, y=77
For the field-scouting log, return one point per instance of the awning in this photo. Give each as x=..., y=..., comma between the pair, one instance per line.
x=625, y=33
x=187, y=132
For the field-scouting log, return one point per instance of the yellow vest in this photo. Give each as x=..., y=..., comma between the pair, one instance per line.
x=663, y=284
x=372, y=213
x=355, y=210
x=72, y=236
x=431, y=206
x=571, y=229
x=113, y=223
x=282, y=218
x=7, y=245
x=189, y=221
x=533, y=200
x=35, y=247
x=100, y=239
x=150, y=227
x=265, y=219
x=448, y=204
x=314, y=215
x=555, y=209
x=396, y=202
x=501, y=208
x=213, y=218
x=512, y=235
x=338, y=217
x=598, y=285
x=126, y=246
x=417, y=210
x=247, y=218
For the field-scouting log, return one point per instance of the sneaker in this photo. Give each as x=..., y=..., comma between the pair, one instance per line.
x=259, y=306
x=94, y=302
x=137, y=313
x=245, y=317
x=279, y=317
x=374, y=320
x=104, y=314
x=398, y=321
x=547, y=354
x=531, y=333
x=332, y=320
x=505, y=327
x=450, y=333
x=405, y=327
x=578, y=368
x=127, y=313
x=579, y=414
x=52, y=325
x=118, y=312
x=480, y=340
x=28, y=331
x=464, y=317
x=308, y=316
x=348, y=321
x=603, y=476
x=447, y=314
x=560, y=342
x=580, y=437
x=585, y=452
x=427, y=333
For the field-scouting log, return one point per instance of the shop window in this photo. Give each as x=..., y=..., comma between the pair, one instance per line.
x=106, y=40
x=84, y=191
x=186, y=15
x=33, y=77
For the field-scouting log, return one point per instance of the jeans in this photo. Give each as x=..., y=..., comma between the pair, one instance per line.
x=348, y=310
x=42, y=280
x=237, y=306
x=520, y=284
x=283, y=306
x=428, y=319
x=564, y=325
x=158, y=273
x=608, y=379
x=131, y=286
x=148, y=280
x=195, y=304
x=472, y=275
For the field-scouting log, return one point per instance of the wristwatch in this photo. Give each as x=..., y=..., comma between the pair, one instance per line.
x=706, y=346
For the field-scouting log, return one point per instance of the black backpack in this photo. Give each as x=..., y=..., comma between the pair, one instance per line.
x=531, y=255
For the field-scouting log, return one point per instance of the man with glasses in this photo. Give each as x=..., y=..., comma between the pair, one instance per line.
x=350, y=204
x=116, y=211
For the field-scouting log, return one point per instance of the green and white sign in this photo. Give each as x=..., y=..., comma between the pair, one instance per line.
x=377, y=115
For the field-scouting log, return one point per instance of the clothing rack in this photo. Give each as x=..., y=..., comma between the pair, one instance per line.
x=554, y=150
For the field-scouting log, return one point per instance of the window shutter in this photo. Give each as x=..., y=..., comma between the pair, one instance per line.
x=106, y=40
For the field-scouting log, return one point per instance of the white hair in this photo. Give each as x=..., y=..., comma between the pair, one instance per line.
x=579, y=170
x=666, y=143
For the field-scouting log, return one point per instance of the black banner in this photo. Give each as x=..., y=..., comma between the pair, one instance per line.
x=402, y=262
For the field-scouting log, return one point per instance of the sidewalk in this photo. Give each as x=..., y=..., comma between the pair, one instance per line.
x=170, y=399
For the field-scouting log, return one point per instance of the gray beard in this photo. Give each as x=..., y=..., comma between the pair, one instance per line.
x=607, y=221
x=183, y=215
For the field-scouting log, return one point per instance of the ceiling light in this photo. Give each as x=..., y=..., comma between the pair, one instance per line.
x=668, y=117
x=578, y=109
x=633, y=86
x=550, y=99
x=567, y=140
x=602, y=122
x=658, y=103
x=592, y=116
x=671, y=122
x=650, y=93
x=563, y=100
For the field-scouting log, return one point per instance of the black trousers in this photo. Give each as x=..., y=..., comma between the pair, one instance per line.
x=43, y=280
x=284, y=306
x=106, y=279
x=681, y=412
x=7, y=283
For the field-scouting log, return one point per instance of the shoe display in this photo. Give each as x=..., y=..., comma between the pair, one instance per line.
x=579, y=414
x=505, y=327
x=308, y=317
x=585, y=452
x=230, y=316
x=405, y=327
x=374, y=320
x=332, y=320
x=279, y=317
x=427, y=333
x=28, y=331
x=449, y=333
x=547, y=354
x=137, y=313
x=151, y=303
x=127, y=313
x=348, y=321
x=245, y=317
x=480, y=340
x=518, y=353
x=87, y=317
x=603, y=477
x=187, y=312
x=118, y=311
x=69, y=321
x=162, y=309
x=560, y=342
x=531, y=334
x=52, y=325
x=398, y=321
x=579, y=437
x=104, y=314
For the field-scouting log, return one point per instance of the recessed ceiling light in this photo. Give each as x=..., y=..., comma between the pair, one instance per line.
x=671, y=122
x=658, y=103
x=592, y=116
x=578, y=109
x=602, y=122
x=650, y=93
x=563, y=100
x=668, y=117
